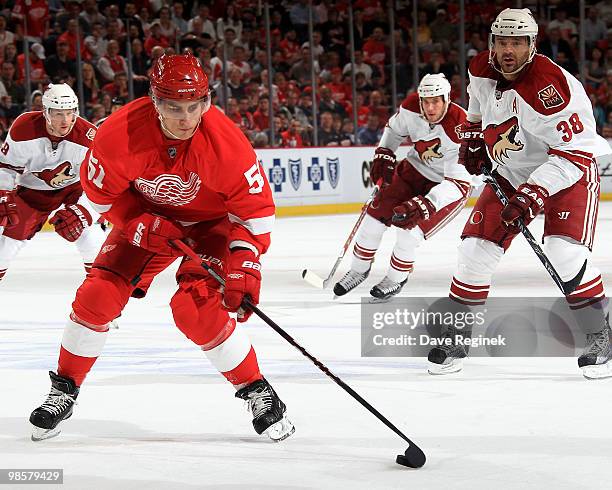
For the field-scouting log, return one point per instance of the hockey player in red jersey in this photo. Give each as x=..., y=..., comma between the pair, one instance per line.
x=532, y=121
x=171, y=167
x=426, y=190
x=39, y=177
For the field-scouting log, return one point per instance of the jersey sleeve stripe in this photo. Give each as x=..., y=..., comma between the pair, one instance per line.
x=256, y=226
x=14, y=168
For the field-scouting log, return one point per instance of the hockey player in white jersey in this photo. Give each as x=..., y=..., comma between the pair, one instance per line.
x=424, y=193
x=39, y=178
x=532, y=122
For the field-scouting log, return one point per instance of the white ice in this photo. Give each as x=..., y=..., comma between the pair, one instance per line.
x=153, y=413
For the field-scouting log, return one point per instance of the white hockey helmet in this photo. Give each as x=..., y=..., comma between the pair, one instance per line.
x=434, y=85
x=60, y=96
x=514, y=23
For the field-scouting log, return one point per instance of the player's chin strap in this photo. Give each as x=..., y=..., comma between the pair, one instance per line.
x=414, y=456
x=566, y=287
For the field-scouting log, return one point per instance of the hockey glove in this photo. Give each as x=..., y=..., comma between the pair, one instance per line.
x=70, y=222
x=410, y=213
x=472, y=152
x=154, y=233
x=243, y=279
x=526, y=203
x=383, y=166
x=8, y=209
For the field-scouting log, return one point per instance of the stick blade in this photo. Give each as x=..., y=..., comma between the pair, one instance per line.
x=312, y=279
x=571, y=285
x=413, y=457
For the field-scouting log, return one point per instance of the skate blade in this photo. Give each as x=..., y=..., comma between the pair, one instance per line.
x=113, y=324
x=39, y=434
x=375, y=300
x=440, y=369
x=598, y=371
x=281, y=430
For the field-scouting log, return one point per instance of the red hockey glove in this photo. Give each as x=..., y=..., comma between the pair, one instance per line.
x=472, y=152
x=243, y=279
x=70, y=222
x=525, y=204
x=154, y=234
x=410, y=213
x=383, y=165
x=8, y=209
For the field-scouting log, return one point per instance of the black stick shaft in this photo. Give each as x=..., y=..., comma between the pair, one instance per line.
x=189, y=252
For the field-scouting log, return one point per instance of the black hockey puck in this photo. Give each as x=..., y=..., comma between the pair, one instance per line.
x=413, y=458
x=304, y=273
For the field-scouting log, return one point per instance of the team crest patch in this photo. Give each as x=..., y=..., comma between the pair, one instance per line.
x=503, y=138
x=57, y=177
x=428, y=150
x=333, y=170
x=550, y=97
x=169, y=189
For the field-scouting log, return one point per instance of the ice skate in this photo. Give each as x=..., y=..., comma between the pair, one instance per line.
x=596, y=359
x=447, y=358
x=268, y=410
x=387, y=288
x=350, y=281
x=57, y=407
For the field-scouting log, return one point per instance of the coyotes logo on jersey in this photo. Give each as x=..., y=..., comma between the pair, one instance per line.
x=169, y=189
x=58, y=176
x=428, y=150
x=501, y=138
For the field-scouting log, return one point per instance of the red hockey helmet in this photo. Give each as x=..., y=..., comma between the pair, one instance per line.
x=179, y=77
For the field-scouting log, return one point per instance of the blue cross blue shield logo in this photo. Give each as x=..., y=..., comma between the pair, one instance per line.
x=277, y=175
x=295, y=173
x=333, y=170
x=315, y=174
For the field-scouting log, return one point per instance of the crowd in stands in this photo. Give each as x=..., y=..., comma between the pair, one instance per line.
x=235, y=30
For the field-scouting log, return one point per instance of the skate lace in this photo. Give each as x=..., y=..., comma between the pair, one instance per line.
x=598, y=342
x=351, y=279
x=388, y=286
x=57, y=401
x=259, y=402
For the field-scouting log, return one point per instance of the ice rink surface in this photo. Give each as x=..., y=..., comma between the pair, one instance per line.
x=154, y=414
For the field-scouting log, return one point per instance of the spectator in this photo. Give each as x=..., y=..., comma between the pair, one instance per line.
x=326, y=134
x=229, y=43
x=290, y=47
x=178, y=10
x=166, y=26
x=97, y=114
x=360, y=67
x=553, y=44
x=599, y=113
x=301, y=70
x=606, y=131
x=566, y=27
x=292, y=137
x=340, y=89
x=328, y=104
x=423, y=30
x=376, y=107
x=595, y=72
x=292, y=109
x=90, y=86
x=6, y=37
x=155, y=38
x=58, y=66
x=37, y=14
x=362, y=111
x=95, y=43
x=235, y=85
x=594, y=28
x=91, y=15
x=370, y=133
x=234, y=113
x=435, y=64
x=144, y=17
x=361, y=84
x=111, y=63
x=318, y=49
x=247, y=117
x=113, y=15
x=139, y=58
x=14, y=90
x=374, y=48
x=113, y=31
x=451, y=66
x=230, y=19
x=196, y=37
x=70, y=36
x=299, y=16
x=261, y=117
x=207, y=25
x=344, y=139
x=305, y=106
x=278, y=62
x=36, y=101
x=118, y=87
x=37, y=68
x=442, y=31
x=278, y=129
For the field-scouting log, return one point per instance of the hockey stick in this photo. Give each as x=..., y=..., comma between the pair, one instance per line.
x=567, y=287
x=413, y=456
x=314, y=279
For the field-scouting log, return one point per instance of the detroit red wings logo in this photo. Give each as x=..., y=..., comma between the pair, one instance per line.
x=428, y=150
x=169, y=189
x=58, y=176
x=501, y=138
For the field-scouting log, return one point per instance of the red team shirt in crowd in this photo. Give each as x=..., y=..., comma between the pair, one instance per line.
x=132, y=168
x=37, y=14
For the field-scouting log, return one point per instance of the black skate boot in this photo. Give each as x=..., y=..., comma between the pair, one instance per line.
x=350, y=281
x=57, y=407
x=268, y=410
x=448, y=357
x=387, y=288
x=596, y=359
